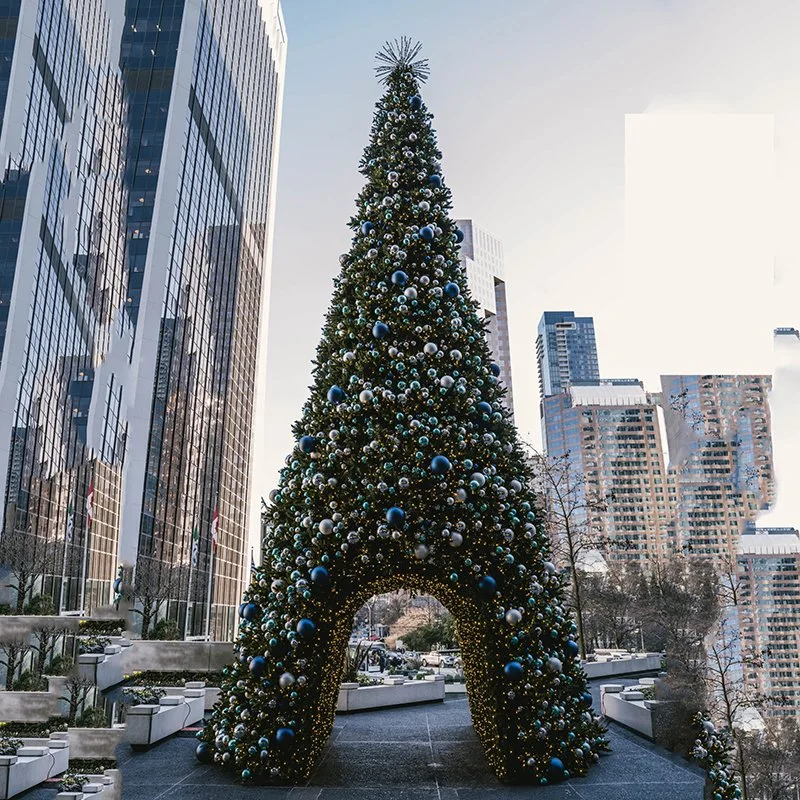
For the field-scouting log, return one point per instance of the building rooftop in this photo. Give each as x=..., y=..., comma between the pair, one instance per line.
x=770, y=541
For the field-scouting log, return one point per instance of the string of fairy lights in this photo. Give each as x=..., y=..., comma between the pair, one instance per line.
x=407, y=472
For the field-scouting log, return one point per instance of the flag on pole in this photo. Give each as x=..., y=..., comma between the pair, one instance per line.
x=214, y=529
x=252, y=562
x=195, y=546
x=90, y=506
x=70, y=522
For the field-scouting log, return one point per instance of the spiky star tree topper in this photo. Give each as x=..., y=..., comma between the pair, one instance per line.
x=407, y=473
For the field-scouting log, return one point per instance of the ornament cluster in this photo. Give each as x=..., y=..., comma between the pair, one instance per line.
x=712, y=750
x=406, y=472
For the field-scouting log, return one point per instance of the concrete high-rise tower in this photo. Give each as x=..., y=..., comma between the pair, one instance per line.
x=482, y=257
x=140, y=143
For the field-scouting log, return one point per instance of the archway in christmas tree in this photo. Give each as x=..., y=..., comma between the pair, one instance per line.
x=406, y=472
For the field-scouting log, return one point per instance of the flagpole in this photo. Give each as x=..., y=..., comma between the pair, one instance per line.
x=208, y=598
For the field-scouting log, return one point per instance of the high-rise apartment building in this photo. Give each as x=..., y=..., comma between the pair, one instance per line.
x=566, y=351
x=608, y=431
x=482, y=258
x=720, y=454
x=140, y=142
x=769, y=615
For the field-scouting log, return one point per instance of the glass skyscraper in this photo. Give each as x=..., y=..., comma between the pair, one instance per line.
x=566, y=351
x=139, y=139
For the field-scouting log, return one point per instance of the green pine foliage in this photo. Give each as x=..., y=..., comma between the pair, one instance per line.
x=407, y=473
x=712, y=750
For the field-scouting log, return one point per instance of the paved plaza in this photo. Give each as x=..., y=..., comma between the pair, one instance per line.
x=427, y=752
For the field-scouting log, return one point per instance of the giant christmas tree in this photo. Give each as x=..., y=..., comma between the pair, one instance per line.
x=406, y=473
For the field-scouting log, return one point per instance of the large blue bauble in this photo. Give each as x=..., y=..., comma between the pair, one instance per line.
x=204, y=753
x=435, y=180
x=459, y=235
x=335, y=395
x=427, y=233
x=571, y=648
x=440, y=465
x=587, y=699
x=307, y=444
x=258, y=666
x=306, y=628
x=484, y=407
x=415, y=101
x=556, y=767
x=366, y=227
x=399, y=278
x=452, y=289
x=320, y=577
x=251, y=612
x=396, y=517
x=495, y=369
x=514, y=671
x=284, y=738
x=487, y=586
x=380, y=330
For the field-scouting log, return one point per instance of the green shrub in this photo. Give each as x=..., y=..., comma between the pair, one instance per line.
x=153, y=678
x=142, y=695
x=41, y=605
x=72, y=781
x=102, y=627
x=5, y=609
x=30, y=682
x=94, y=717
x=60, y=665
x=92, y=766
x=33, y=730
x=9, y=746
x=167, y=630
x=93, y=644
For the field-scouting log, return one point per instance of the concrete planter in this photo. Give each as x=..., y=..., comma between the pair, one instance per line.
x=353, y=697
x=97, y=787
x=28, y=706
x=628, y=707
x=36, y=761
x=146, y=654
x=212, y=693
x=608, y=666
x=104, y=669
x=95, y=742
x=148, y=724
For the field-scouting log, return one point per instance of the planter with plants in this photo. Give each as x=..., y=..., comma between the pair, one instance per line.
x=175, y=682
x=100, y=661
x=25, y=763
x=91, y=738
x=79, y=784
x=153, y=715
x=364, y=693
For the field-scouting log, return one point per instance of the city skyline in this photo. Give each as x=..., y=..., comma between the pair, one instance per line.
x=560, y=211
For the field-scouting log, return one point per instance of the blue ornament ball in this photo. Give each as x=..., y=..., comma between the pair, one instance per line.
x=452, y=289
x=484, y=408
x=380, y=330
x=487, y=586
x=587, y=700
x=307, y=444
x=204, y=753
x=306, y=629
x=495, y=369
x=251, y=612
x=556, y=767
x=514, y=671
x=320, y=577
x=396, y=517
x=440, y=465
x=571, y=648
x=245, y=774
x=399, y=278
x=258, y=666
x=284, y=738
x=335, y=395
x=459, y=235
x=415, y=101
x=427, y=233
x=435, y=180
x=366, y=227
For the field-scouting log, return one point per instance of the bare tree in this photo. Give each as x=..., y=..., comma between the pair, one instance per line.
x=14, y=653
x=154, y=583
x=77, y=693
x=28, y=557
x=47, y=637
x=573, y=509
x=612, y=613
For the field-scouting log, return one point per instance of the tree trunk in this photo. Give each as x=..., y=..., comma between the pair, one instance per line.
x=22, y=583
x=576, y=590
x=147, y=614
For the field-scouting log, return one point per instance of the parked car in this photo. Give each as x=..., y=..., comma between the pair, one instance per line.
x=436, y=659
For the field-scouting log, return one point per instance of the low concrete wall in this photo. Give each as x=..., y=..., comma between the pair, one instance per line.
x=648, y=662
x=212, y=694
x=159, y=656
x=94, y=742
x=106, y=669
x=21, y=626
x=355, y=698
x=634, y=713
x=28, y=706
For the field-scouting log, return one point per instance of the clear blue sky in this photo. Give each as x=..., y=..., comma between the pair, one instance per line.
x=530, y=99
